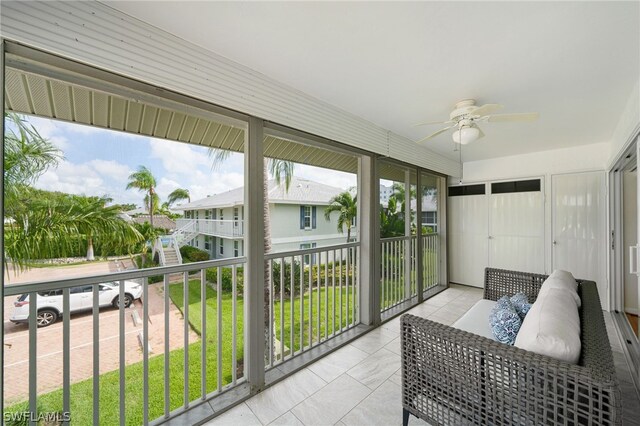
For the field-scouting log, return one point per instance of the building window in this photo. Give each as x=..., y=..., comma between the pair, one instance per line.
x=221, y=214
x=207, y=214
x=207, y=243
x=307, y=217
x=307, y=257
x=236, y=251
x=221, y=246
x=235, y=217
x=430, y=221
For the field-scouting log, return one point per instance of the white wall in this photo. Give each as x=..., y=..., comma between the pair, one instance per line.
x=565, y=160
x=627, y=127
x=543, y=164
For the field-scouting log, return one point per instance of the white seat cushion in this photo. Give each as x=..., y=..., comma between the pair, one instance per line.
x=552, y=326
x=476, y=319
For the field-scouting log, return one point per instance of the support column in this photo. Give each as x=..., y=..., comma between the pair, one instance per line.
x=254, y=328
x=407, y=233
x=369, y=232
x=442, y=243
x=2, y=229
x=419, y=245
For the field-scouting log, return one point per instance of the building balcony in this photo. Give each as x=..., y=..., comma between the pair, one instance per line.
x=213, y=227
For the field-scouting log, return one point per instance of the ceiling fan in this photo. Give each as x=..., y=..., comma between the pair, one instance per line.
x=465, y=117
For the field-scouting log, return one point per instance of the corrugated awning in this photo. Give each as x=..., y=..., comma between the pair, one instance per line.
x=44, y=96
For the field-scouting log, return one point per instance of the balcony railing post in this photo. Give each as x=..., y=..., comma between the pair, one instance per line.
x=419, y=242
x=254, y=327
x=368, y=230
x=406, y=267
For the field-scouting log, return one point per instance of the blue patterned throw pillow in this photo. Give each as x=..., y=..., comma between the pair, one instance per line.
x=521, y=304
x=505, y=321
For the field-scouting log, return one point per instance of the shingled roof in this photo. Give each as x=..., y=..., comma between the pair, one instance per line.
x=301, y=191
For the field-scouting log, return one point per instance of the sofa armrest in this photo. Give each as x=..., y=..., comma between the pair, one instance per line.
x=450, y=376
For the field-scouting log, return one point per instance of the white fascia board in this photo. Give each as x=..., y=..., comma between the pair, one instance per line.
x=100, y=36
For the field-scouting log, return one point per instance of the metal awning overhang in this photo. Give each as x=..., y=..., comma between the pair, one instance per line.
x=61, y=98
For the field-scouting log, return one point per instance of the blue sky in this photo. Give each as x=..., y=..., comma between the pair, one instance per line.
x=99, y=161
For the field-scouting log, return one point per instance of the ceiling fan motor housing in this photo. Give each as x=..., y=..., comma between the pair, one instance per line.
x=463, y=108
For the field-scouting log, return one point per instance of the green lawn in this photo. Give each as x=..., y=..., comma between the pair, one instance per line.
x=82, y=394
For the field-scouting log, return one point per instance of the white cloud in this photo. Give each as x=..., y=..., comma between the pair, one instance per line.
x=178, y=158
x=87, y=179
x=165, y=187
x=111, y=169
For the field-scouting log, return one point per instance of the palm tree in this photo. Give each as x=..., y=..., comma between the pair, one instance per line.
x=280, y=170
x=143, y=180
x=97, y=221
x=346, y=205
x=54, y=228
x=27, y=155
x=177, y=195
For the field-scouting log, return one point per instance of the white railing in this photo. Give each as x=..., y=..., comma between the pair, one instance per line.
x=213, y=227
x=203, y=365
x=399, y=265
x=159, y=248
x=185, y=231
x=313, y=297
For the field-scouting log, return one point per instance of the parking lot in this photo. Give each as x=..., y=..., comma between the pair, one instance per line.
x=49, y=346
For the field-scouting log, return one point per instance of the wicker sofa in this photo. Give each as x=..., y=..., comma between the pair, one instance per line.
x=453, y=377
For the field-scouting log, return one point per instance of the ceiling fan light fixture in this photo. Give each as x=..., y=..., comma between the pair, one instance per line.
x=466, y=134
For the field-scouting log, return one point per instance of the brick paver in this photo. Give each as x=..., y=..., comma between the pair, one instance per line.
x=49, y=346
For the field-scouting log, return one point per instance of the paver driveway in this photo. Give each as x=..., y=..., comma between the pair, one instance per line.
x=49, y=348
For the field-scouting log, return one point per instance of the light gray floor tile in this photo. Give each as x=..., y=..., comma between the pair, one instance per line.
x=374, y=340
x=392, y=325
x=383, y=407
x=332, y=402
x=282, y=397
x=336, y=364
x=240, y=415
x=423, y=310
x=377, y=368
x=397, y=377
x=394, y=345
x=287, y=419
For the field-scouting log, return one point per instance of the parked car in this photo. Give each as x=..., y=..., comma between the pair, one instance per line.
x=80, y=299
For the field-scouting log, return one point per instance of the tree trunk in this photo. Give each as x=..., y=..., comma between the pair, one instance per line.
x=267, y=249
x=151, y=192
x=90, y=255
x=348, y=234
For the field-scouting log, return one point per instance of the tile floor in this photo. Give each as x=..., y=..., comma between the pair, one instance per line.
x=359, y=384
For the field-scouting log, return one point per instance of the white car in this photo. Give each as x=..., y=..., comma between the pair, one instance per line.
x=80, y=299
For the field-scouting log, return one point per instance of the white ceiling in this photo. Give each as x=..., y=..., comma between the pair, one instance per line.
x=396, y=64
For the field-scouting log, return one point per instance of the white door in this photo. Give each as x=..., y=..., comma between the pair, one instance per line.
x=578, y=227
x=468, y=233
x=516, y=231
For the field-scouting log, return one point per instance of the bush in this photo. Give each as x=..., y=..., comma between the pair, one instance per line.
x=226, y=279
x=193, y=254
x=275, y=277
x=148, y=263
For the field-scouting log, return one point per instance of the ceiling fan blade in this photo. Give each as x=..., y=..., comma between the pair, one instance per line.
x=434, y=134
x=528, y=116
x=487, y=109
x=433, y=122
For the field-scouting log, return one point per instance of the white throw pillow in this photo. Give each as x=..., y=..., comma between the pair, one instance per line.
x=563, y=280
x=552, y=327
